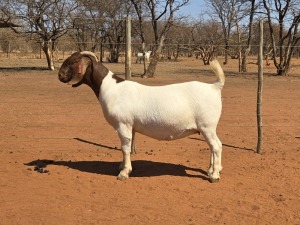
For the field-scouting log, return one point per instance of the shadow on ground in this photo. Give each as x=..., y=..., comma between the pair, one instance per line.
x=142, y=168
x=227, y=145
x=16, y=69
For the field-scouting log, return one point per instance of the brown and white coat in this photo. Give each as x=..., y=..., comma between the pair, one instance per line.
x=162, y=112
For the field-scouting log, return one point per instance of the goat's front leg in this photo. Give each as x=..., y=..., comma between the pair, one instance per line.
x=133, y=149
x=126, y=143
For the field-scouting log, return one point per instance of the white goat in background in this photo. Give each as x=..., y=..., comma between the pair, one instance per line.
x=141, y=56
x=162, y=112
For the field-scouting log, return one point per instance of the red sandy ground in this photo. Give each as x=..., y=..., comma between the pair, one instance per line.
x=61, y=129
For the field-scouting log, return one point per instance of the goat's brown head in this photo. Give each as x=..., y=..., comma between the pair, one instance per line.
x=75, y=67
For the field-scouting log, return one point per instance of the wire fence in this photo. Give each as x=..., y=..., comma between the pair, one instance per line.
x=170, y=51
x=185, y=51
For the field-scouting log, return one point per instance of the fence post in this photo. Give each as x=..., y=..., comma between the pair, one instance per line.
x=144, y=59
x=8, y=49
x=128, y=49
x=240, y=51
x=40, y=50
x=259, y=89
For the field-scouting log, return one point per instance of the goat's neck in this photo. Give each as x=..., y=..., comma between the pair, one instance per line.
x=97, y=73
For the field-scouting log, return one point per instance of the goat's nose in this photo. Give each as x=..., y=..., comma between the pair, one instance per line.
x=60, y=77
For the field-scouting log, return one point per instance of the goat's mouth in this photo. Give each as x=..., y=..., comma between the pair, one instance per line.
x=64, y=79
x=77, y=84
x=74, y=81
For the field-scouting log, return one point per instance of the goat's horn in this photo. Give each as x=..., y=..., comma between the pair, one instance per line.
x=87, y=53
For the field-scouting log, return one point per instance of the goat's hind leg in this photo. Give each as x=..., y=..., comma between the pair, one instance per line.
x=215, y=155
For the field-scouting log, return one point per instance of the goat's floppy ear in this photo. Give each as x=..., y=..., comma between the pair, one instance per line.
x=84, y=62
x=79, y=69
x=82, y=65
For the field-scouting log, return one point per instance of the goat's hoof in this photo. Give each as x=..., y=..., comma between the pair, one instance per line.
x=122, y=177
x=209, y=173
x=214, y=180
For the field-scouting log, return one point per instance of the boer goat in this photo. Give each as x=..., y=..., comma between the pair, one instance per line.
x=162, y=112
x=141, y=56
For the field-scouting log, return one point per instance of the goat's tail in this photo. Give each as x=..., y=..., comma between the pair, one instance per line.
x=216, y=67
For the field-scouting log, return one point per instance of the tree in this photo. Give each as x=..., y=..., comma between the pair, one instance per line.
x=247, y=49
x=207, y=37
x=229, y=13
x=115, y=28
x=161, y=16
x=287, y=14
x=88, y=27
x=178, y=40
x=43, y=20
x=139, y=6
x=5, y=20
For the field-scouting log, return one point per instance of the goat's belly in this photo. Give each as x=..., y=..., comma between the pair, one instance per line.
x=163, y=133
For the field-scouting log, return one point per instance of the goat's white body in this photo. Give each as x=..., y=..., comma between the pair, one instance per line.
x=147, y=56
x=164, y=113
x=141, y=56
x=161, y=112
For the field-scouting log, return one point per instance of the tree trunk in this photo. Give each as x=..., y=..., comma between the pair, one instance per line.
x=153, y=62
x=101, y=51
x=245, y=59
x=47, y=51
x=247, y=50
x=176, y=52
x=282, y=71
x=150, y=72
x=114, y=56
x=226, y=53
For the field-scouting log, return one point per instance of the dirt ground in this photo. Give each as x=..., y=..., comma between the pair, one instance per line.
x=59, y=158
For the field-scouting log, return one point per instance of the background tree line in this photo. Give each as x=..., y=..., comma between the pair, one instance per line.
x=228, y=27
